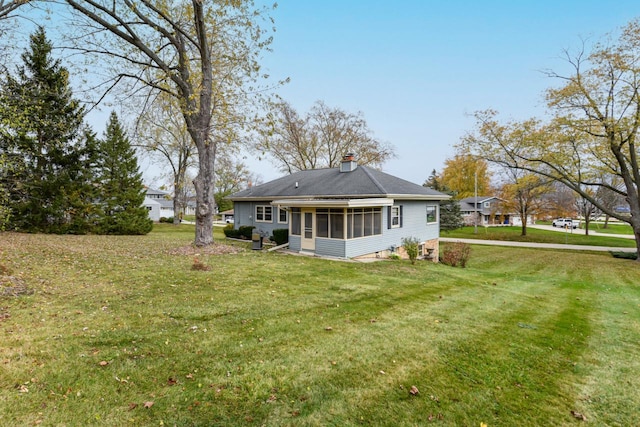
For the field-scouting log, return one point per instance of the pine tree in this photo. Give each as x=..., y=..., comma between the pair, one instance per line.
x=42, y=136
x=120, y=185
x=450, y=214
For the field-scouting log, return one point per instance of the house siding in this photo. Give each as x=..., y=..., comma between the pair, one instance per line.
x=245, y=212
x=331, y=247
x=295, y=243
x=414, y=224
x=153, y=207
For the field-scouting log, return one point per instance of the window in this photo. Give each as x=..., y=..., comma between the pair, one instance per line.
x=283, y=216
x=330, y=223
x=487, y=204
x=395, y=216
x=296, y=220
x=264, y=214
x=322, y=222
x=362, y=222
x=432, y=214
x=336, y=223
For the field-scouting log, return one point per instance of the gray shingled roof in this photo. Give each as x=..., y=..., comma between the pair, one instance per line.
x=331, y=183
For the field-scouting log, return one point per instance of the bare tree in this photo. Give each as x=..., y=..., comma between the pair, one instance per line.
x=203, y=54
x=161, y=134
x=9, y=6
x=319, y=139
x=523, y=193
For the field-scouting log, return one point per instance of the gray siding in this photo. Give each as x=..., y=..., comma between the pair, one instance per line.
x=414, y=224
x=330, y=247
x=245, y=214
x=295, y=243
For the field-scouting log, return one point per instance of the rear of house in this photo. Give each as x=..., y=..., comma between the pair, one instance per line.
x=346, y=212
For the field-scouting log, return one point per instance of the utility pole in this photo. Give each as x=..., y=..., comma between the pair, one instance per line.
x=475, y=201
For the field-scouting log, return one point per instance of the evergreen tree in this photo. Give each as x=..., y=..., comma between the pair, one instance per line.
x=120, y=182
x=42, y=139
x=450, y=214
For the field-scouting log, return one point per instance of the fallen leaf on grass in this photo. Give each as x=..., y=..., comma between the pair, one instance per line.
x=190, y=376
x=414, y=390
x=578, y=416
x=328, y=328
x=132, y=406
x=103, y=363
x=148, y=404
x=171, y=381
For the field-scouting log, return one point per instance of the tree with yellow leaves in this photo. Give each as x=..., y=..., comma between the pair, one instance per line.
x=462, y=172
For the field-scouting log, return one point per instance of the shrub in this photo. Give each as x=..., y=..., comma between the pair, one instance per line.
x=166, y=219
x=231, y=232
x=394, y=256
x=455, y=254
x=281, y=236
x=411, y=246
x=245, y=231
x=625, y=255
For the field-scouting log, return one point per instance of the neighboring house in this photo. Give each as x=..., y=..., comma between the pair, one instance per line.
x=227, y=216
x=346, y=212
x=487, y=210
x=159, y=203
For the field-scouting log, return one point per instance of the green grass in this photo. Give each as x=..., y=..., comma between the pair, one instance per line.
x=611, y=228
x=273, y=339
x=538, y=236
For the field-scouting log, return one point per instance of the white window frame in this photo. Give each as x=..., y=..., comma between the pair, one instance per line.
x=487, y=204
x=286, y=216
x=395, y=213
x=437, y=214
x=261, y=213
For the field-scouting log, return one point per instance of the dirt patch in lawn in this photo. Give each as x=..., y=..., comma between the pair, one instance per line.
x=13, y=286
x=215, y=249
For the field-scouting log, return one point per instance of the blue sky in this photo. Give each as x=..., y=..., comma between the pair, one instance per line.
x=417, y=69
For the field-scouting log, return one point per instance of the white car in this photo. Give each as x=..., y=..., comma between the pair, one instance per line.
x=565, y=223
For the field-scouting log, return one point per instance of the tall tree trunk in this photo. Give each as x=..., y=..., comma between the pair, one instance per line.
x=587, y=220
x=205, y=201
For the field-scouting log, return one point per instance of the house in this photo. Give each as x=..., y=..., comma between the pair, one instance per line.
x=227, y=216
x=487, y=210
x=159, y=203
x=346, y=212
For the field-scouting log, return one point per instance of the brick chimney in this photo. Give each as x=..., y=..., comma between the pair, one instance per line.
x=348, y=163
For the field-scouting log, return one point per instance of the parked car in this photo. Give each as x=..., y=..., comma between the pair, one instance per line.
x=229, y=220
x=565, y=223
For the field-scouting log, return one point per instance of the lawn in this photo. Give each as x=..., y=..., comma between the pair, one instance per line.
x=613, y=227
x=538, y=236
x=120, y=331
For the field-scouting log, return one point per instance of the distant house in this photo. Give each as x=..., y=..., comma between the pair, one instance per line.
x=159, y=203
x=227, y=216
x=487, y=210
x=346, y=212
